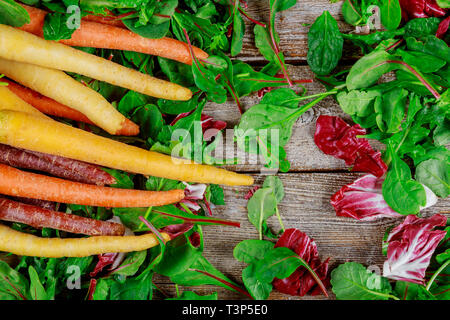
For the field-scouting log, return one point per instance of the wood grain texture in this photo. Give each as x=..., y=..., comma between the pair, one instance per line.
x=314, y=177
x=292, y=25
x=306, y=206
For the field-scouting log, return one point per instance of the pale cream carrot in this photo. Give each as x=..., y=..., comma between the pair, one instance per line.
x=21, y=46
x=54, y=108
x=24, y=244
x=10, y=101
x=64, y=89
x=25, y=131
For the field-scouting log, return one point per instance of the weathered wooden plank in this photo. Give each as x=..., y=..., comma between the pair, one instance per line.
x=301, y=150
x=307, y=207
x=292, y=25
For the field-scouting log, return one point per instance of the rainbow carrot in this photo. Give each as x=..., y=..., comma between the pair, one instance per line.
x=42, y=218
x=21, y=46
x=54, y=108
x=14, y=182
x=24, y=244
x=58, y=166
x=28, y=132
x=100, y=32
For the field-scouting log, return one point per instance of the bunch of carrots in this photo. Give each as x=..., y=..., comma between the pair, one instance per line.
x=71, y=158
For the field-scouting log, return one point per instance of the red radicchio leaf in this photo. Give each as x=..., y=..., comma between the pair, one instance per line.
x=362, y=200
x=193, y=193
x=211, y=127
x=336, y=138
x=177, y=229
x=412, y=9
x=301, y=281
x=195, y=239
x=104, y=260
x=410, y=247
x=443, y=27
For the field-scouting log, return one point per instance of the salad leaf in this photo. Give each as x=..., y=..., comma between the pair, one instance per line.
x=352, y=281
x=13, y=14
x=325, y=44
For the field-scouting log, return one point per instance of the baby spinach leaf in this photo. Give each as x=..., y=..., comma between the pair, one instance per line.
x=151, y=31
x=238, y=31
x=13, y=285
x=285, y=97
x=390, y=110
x=259, y=290
x=367, y=70
x=429, y=45
x=251, y=251
x=400, y=191
x=131, y=264
x=202, y=272
x=180, y=254
x=352, y=281
x=325, y=44
x=434, y=173
x=357, y=102
x=13, y=14
x=352, y=12
x=276, y=185
x=424, y=62
x=421, y=27
x=280, y=263
x=261, y=206
x=37, y=290
x=391, y=13
x=56, y=26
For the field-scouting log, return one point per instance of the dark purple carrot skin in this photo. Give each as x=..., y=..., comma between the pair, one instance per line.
x=58, y=166
x=49, y=205
x=42, y=218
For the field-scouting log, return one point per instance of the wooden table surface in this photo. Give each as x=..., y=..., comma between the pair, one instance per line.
x=313, y=178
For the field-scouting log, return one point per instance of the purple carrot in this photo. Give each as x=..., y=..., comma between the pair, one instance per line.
x=42, y=218
x=49, y=205
x=58, y=166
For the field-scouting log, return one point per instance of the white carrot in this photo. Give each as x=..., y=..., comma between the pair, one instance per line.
x=59, y=86
x=25, y=47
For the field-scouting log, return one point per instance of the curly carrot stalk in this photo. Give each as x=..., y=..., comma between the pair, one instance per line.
x=25, y=131
x=14, y=182
x=54, y=108
x=43, y=218
x=21, y=46
x=58, y=166
x=100, y=32
x=24, y=244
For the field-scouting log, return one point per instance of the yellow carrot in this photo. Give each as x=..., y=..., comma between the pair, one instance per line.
x=9, y=101
x=25, y=244
x=59, y=86
x=25, y=47
x=25, y=131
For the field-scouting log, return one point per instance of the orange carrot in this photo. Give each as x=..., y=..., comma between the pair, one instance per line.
x=107, y=36
x=54, y=108
x=14, y=182
x=110, y=20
